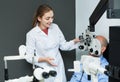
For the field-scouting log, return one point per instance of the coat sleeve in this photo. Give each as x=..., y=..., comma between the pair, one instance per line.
x=30, y=48
x=65, y=45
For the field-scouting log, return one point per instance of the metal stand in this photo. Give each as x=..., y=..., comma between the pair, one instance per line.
x=6, y=58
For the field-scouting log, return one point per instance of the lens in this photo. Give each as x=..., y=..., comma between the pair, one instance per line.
x=45, y=75
x=53, y=73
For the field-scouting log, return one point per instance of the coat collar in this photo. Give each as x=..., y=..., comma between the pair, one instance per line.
x=37, y=28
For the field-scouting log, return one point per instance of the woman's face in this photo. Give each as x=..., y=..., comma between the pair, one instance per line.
x=46, y=20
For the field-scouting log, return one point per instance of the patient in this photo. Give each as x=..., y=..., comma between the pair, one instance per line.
x=83, y=77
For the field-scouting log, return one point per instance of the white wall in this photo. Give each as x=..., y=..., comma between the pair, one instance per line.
x=84, y=9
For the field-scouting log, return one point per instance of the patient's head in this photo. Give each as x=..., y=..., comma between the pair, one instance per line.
x=103, y=42
x=98, y=46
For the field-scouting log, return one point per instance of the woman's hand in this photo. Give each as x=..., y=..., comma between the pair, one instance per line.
x=76, y=40
x=49, y=60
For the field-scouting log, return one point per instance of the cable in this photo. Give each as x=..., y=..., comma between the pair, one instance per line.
x=81, y=76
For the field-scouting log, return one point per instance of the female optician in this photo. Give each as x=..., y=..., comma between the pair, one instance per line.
x=45, y=40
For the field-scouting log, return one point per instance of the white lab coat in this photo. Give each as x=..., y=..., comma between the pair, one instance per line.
x=48, y=46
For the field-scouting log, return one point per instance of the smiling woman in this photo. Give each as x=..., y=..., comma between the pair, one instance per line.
x=45, y=40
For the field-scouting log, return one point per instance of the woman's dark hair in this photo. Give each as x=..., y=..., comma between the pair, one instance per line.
x=42, y=9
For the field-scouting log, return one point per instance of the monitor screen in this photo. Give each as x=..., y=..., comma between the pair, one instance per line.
x=113, y=10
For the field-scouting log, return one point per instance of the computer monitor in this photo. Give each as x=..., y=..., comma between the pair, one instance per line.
x=113, y=10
